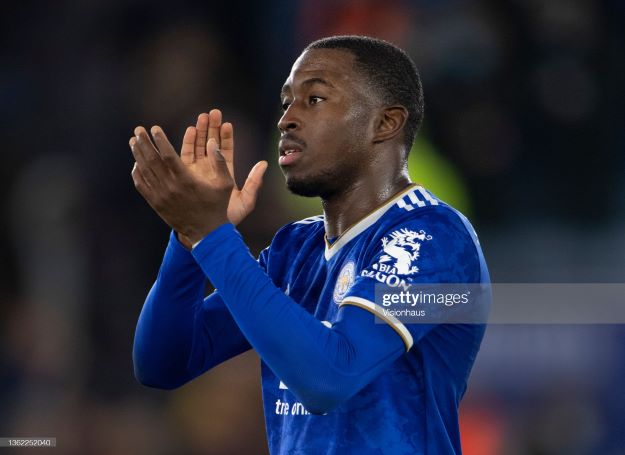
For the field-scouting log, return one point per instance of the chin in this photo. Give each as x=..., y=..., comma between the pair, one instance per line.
x=303, y=188
x=323, y=186
x=324, y=183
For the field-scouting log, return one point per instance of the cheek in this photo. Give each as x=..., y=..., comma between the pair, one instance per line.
x=352, y=126
x=356, y=135
x=343, y=133
x=358, y=120
x=330, y=134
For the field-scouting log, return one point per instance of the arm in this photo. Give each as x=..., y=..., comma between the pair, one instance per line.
x=322, y=366
x=179, y=334
x=191, y=193
x=326, y=366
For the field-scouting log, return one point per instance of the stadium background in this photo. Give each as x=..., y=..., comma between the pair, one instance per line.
x=524, y=131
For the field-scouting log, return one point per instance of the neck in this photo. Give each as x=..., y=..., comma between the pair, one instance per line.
x=360, y=198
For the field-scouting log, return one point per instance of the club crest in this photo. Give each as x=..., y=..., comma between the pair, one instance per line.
x=344, y=282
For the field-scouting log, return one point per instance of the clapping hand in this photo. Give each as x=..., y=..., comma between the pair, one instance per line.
x=195, y=192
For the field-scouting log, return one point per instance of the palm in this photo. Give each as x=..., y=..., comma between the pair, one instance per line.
x=238, y=207
x=194, y=148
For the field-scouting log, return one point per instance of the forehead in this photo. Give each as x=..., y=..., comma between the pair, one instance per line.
x=334, y=65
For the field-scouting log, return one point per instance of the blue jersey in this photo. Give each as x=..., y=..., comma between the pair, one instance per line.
x=307, y=307
x=412, y=407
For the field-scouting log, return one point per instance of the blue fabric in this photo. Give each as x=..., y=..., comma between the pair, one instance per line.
x=376, y=397
x=322, y=366
x=180, y=334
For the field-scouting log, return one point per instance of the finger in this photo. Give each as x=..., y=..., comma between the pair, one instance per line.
x=253, y=183
x=214, y=124
x=226, y=133
x=217, y=161
x=141, y=184
x=147, y=172
x=148, y=193
x=187, y=152
x=201, y=137
x=146, y=154
x=168, y=154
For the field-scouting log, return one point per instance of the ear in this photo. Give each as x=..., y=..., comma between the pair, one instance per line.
x=390, y=123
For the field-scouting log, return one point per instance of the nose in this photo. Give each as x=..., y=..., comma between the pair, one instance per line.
x=288, y=121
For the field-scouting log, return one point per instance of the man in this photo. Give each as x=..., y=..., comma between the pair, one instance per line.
x=334, y=380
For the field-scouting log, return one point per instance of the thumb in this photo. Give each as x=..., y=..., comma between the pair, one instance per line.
x=253, y=183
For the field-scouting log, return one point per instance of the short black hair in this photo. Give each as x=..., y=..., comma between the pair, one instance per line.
x=389, y=69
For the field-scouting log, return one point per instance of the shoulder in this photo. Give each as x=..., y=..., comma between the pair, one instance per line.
x=302, y=227
x=421, y=210
x=296, y=233
x=433, y=234
x=290, y=241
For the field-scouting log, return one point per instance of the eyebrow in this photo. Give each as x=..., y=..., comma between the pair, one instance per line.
x=311, y=81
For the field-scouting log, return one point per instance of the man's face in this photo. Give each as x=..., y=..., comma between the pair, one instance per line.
x=327, y=123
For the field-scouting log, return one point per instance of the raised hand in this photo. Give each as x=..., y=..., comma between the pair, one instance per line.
x=194, y=148
x=193, y=193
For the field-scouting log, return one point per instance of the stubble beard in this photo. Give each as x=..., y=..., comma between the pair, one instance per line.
x=325, y=184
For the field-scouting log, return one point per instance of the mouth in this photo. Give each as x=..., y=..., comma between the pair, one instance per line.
x=290, y=152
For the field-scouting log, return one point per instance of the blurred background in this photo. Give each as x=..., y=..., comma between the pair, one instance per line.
x=524, y=132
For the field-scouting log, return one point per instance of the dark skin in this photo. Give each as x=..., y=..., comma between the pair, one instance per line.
x=352, y=154
x=194, y=193
x=351, y=137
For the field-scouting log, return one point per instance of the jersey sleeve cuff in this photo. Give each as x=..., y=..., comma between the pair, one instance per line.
x=222, y=236
x=178, y=252
x=379, y=312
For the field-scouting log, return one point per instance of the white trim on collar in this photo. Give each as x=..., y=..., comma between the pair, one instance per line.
x=356, y=229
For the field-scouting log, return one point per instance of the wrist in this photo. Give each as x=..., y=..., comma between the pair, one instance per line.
x=196, y=236
x=217, y=243
x=184, y=240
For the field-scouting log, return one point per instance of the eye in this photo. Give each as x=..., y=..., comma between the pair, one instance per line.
x=315, y=99
x=285, y=105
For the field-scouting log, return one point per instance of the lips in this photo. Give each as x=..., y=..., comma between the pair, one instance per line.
x=290, y=151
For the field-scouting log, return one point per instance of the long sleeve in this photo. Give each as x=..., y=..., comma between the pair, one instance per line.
x=179, y=334
x=323, y=366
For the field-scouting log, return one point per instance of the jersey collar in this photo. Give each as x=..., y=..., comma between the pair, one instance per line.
x=360, y=226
